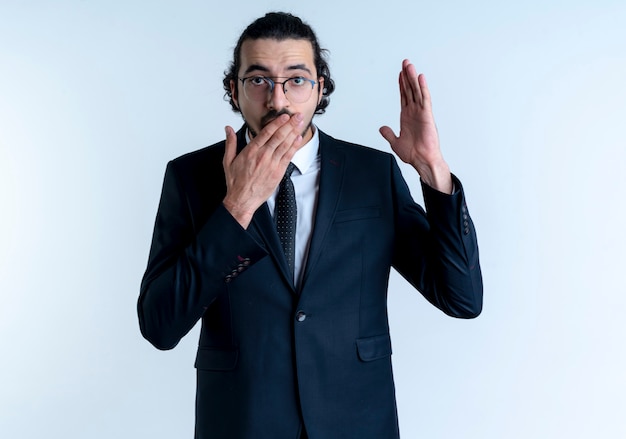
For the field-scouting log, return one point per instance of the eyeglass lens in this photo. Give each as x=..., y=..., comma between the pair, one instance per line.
x=298, y=90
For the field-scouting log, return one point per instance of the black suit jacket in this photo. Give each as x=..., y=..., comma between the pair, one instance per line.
x=271, y=357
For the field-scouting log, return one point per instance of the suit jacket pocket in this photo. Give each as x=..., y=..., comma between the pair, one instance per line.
x=374, y=348
x=216, y=358
x=357, y=214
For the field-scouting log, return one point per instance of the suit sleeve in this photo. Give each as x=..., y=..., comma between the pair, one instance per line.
x=190, y=264
x=437, y=250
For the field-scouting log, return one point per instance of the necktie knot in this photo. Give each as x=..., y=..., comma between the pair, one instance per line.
x=289, y=171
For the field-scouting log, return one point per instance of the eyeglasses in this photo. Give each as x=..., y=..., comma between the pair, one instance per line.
x=296, y=89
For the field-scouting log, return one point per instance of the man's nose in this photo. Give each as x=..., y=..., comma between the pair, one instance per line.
x=277, y=98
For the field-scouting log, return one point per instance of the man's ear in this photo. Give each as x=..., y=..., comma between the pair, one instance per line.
x=321, y=89
x=233, y=93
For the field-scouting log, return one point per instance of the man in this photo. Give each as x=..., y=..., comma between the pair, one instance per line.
x=295, y=340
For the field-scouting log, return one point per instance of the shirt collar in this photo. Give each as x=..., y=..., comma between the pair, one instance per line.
x=306, y=156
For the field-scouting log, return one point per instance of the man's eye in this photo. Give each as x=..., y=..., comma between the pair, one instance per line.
x=298, y=81
x=257, y=80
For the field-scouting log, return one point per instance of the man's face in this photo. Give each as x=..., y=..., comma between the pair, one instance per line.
x=278, y=60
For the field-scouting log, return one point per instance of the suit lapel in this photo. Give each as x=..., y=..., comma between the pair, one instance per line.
x=332, y=162
x=263, y=228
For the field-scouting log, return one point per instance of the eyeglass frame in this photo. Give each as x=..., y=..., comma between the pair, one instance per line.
x=273, y=83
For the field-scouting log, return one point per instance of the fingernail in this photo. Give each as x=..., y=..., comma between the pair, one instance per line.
x=299, y=117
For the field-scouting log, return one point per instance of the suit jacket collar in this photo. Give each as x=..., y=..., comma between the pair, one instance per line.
x=332, y=162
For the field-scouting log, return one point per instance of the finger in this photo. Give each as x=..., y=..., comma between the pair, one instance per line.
x=388, y=134
x=405, y=89
x=292, y=141
x=294, y=125
x=403, y=96
x=412, y=80
x=269, y=130
x=425, y=91
x=287, y=132
x=231, y=145
x=289, y=150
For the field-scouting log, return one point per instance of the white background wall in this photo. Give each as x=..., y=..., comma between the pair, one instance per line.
x=530, y=100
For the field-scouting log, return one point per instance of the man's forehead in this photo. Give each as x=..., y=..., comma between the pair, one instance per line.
x=273, y=53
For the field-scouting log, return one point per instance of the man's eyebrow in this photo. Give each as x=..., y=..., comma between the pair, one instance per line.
x=300, y=67
x=256, y=67
x=260, y=68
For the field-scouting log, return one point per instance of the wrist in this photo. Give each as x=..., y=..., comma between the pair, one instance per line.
x=436, y=175
x=240, y=214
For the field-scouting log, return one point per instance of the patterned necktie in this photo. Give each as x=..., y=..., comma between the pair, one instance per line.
x=285, y=215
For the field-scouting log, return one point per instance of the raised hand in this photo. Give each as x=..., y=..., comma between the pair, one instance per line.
x=254, y=173
x=418, y=141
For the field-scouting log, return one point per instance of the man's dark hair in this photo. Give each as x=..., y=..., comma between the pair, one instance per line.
x=281, y=26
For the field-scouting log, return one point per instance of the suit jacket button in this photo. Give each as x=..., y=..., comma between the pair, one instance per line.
x=243, y=261
x=301, y=316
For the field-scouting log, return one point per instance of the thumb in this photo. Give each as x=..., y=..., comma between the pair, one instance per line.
x=231, y=145
x=388, y=134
